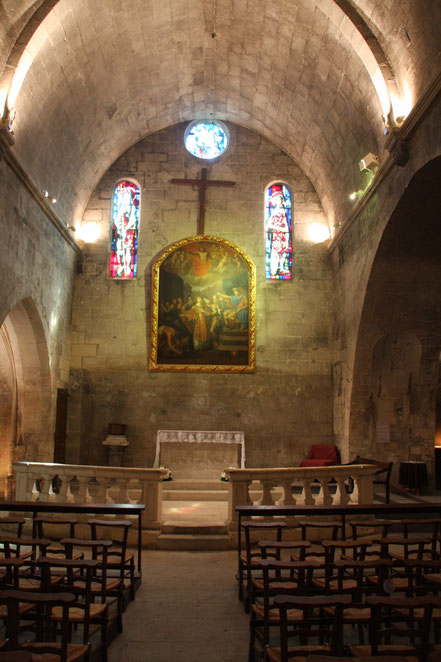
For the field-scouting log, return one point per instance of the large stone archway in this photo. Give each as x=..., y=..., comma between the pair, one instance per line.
x=400, y=326
x=25, y=409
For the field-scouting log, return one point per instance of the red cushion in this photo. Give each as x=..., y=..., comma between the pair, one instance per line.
x=322, y=455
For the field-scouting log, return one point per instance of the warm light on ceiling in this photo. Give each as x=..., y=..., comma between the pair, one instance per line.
x=19, y=76
x=402, y=105
x=3, y=96
x=318, y=232
x=382, y=91
x=89, y=232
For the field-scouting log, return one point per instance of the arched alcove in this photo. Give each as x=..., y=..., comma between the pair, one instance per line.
x=397, y=358
x=25, y=421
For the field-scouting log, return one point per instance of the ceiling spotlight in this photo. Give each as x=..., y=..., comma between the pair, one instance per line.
x=369, y=162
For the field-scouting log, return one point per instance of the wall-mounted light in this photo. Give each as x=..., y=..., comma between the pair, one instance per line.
x=49, y=197
x=369, y=162
x=89, y=232
x=318, y=232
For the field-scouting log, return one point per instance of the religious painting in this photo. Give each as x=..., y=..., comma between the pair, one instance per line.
x=125, y=221
x=203, y=308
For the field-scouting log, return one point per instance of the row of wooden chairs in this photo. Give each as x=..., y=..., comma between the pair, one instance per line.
x=92, y=572
x=295, y=595
x=428, y=546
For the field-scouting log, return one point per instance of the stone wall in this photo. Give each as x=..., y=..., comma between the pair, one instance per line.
x=36, y=282
x=287, y=403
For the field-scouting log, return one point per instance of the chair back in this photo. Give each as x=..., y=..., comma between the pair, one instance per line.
x=42, y=627
x=315, y=626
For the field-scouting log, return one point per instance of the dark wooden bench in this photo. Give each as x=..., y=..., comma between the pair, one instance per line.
x=382, y=476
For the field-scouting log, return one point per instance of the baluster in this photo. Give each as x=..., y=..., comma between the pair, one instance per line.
x=32, y=492
x=341, y=497
x=267, y=499
x=355, y=496
x=307, y=493
x=288, y=496
x=62, y=489
x=78, y=487
x=97, y=490
x=44, y=485
x=324, y=491
x=122, y=490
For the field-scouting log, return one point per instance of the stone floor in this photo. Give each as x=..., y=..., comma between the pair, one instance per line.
x=186, y=610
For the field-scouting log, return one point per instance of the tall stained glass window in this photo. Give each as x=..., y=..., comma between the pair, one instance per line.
x=206, y=139
x=125, y=222
x=278, y=232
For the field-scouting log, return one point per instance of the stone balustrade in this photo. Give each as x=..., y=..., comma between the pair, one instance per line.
x=76, y=483
x=309, y=486
x=73, y=483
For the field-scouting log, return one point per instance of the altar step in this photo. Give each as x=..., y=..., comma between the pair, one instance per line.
x=194, y=490
x=193, y=536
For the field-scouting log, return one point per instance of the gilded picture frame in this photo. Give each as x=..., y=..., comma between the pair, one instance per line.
x=203, y=308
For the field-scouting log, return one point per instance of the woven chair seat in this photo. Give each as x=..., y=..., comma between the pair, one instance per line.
x=74, y=652
x=76, y=614
x=294, y=615
x=383, y=649
x=301, y=653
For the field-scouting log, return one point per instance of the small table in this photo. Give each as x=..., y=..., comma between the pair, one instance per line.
x=413, y=475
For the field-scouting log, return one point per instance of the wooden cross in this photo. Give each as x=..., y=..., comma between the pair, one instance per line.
x=203, y=183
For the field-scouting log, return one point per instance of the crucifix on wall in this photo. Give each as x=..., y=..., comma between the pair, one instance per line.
x=202, y=184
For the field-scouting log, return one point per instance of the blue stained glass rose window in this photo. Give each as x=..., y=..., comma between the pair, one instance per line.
x=206, y=139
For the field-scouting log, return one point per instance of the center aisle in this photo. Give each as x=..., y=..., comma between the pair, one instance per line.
x=185, y=611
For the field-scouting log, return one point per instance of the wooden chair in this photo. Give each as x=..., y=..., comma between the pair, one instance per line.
x=313, y=627
x=248, y=560
x=120, y=562
x=416, y=526
x=29, y=578
x=278, y=578
x=44, y=643
x=111, y=588
x=393, y=632
x=359, y=586
x=329, y=530
x=77, y=580
x=332, y=550
x=14, y=525
x=55, y=529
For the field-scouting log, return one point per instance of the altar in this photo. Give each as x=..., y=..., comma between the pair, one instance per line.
x=197, y=454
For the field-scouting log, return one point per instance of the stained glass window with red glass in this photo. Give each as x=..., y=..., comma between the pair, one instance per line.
x=125, y=222
x=278, y=232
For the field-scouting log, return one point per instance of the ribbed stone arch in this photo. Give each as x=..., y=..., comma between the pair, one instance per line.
x=25, y=416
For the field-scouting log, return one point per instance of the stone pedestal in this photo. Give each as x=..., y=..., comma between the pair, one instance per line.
x=115, y=444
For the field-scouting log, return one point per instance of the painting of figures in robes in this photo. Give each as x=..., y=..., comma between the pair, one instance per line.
x=203, y=308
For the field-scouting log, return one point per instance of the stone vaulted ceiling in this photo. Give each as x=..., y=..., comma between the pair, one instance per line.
x=102, y=74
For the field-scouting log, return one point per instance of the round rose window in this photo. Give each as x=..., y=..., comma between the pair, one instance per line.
x=206, y=139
